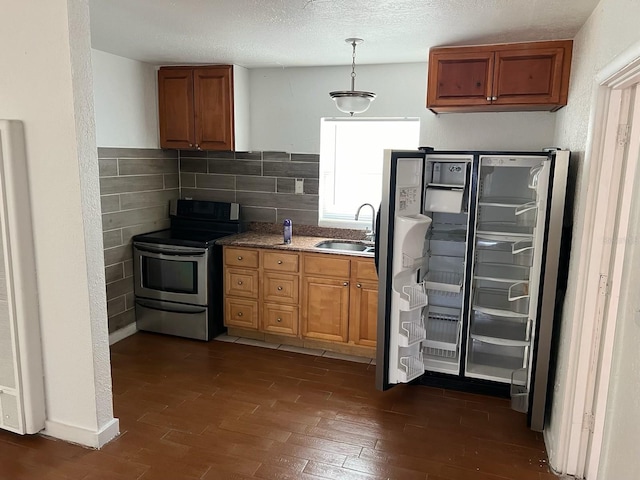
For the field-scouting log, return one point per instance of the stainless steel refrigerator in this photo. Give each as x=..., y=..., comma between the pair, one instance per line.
x=468, y=252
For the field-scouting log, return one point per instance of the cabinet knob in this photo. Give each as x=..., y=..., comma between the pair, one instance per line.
x=279, y=288
x=198, y=146
x=239, y=257
x=239, y=282
x=239, y=314
x=346, y=284
x=190, y=145
x=278, y=320
x=494, y=98
x=279, y=262
x=359, y=285
x=488, y=99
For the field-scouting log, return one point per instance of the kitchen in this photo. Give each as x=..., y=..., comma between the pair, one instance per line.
x=510, y=127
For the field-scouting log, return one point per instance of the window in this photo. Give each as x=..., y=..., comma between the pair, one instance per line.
x=351, y=155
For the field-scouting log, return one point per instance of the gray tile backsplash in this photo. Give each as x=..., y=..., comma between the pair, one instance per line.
x=263, y=183
x=136, y=186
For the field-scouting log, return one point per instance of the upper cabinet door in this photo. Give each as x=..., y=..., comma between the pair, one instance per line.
x=532, y=75
x=175, y=90
x=213, y=88
x=459, y=79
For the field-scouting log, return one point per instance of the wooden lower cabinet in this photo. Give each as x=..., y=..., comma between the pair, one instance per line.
x=363, y=314
x=241, y=313
x=280, y=319
x=325, y=307
x=320, y=301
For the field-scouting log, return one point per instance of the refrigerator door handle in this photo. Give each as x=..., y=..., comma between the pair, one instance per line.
x=529, y=330
x=525, y=358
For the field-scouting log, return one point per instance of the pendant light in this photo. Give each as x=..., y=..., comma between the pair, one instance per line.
x=353, y=101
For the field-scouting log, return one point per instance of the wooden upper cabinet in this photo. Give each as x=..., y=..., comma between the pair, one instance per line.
x=196, y=107
x=505, y=77
x=175, y=90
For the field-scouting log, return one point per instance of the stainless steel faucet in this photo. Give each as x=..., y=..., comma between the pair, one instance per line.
x=370, y=234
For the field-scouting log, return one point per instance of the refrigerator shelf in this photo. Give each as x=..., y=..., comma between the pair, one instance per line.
x=411, y=367
x=512, y=202
x=505, y=228
x=447, y=185
x=444, y=281
x=501, y=302
x=500, y=330
x=499, y=272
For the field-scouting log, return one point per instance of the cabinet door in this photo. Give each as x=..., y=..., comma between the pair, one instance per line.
x=363, y=317
x=213, y=89
x=176, y=115
x=459, y=79
x=325, y=305
x=531, y=76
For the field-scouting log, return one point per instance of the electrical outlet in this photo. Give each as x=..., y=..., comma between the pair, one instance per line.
x=299, y=188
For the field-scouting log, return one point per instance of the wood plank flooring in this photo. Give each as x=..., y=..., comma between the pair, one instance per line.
x=192, y=410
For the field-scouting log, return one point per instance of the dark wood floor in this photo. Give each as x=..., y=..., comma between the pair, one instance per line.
x=192, y=410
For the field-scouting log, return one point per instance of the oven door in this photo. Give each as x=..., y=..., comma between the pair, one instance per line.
x=171, y=273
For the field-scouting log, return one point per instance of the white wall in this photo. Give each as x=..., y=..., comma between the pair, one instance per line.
x=126, y=102
x=287, y=104
x=611, y=29
x=46, y=83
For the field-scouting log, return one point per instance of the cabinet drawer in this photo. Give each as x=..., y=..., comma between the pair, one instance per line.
x=280, y=288
x=280, y=261
x=327, y=265
x=241, y=283
x=364, y=270
x=241, y=313
x=282, y=319
x=241, y=257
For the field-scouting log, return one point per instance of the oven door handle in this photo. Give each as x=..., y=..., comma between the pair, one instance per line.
x=161, y=306
x=171, y=253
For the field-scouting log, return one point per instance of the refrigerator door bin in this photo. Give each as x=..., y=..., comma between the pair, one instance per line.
x=504, y=250
x=494, y=362
x=410, y=365
x=519, y=391
x=504, y=303
x=510, y=331
x=412, y=329
x=414, y=296
x=447, y=200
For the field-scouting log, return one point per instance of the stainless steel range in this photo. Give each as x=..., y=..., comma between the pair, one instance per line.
x=178, y=271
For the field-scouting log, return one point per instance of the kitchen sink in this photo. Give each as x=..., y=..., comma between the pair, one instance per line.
x=346, y=246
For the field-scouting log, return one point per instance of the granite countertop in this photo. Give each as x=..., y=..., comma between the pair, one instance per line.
x=299, y=243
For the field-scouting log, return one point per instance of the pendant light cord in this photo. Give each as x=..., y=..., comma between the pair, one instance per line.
x=353, y=68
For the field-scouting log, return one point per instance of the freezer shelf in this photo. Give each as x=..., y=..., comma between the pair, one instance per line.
x=496, y=302
x=501, y=273
x=442, y=332
x=448, y=243
x=443, y=281
x=500, y=330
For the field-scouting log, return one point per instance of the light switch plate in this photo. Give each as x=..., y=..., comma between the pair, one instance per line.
x=299, y=188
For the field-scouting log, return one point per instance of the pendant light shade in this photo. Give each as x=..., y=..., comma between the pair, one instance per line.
x=353, y=101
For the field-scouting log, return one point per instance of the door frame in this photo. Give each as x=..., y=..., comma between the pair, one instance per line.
x=608, y=191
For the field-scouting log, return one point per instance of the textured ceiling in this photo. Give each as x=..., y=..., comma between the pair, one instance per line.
x=271, y=33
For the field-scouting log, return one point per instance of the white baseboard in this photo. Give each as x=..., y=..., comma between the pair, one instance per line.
x=123, y=333
x=82, y=436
